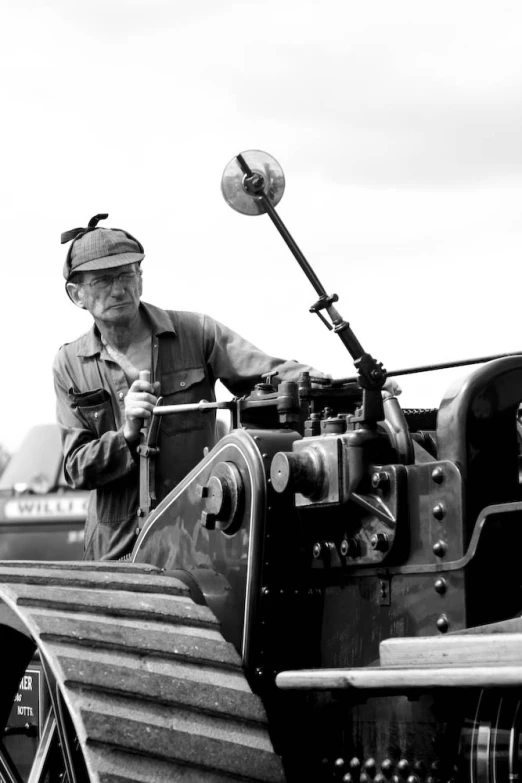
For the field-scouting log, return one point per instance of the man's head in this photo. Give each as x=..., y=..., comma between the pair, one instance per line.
x=102, y=270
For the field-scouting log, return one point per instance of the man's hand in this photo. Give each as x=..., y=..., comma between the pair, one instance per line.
x=139, y=404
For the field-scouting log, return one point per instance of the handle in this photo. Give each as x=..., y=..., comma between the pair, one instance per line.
x=144, y=375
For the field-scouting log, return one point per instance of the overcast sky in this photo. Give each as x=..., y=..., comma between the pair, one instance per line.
x=398, y=126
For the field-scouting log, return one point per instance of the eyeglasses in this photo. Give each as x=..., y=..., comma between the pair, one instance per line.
x=105, y=282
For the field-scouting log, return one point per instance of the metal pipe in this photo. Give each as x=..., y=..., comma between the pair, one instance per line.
x=163, y=410
x=398, y=678
x=258, y=193
x=433, y=367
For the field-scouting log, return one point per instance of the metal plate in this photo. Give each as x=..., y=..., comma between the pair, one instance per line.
x=232, y=182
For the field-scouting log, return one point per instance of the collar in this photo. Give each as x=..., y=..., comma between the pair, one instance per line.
x=90, y=343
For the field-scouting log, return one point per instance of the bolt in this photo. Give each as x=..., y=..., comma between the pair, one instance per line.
x=380, y=479
x=208, y=520
x=439, y=511
x=442, y=623
x=440, y=586
x=439, y=548
x=257, y=181
x=379, y=542
x=437, y=475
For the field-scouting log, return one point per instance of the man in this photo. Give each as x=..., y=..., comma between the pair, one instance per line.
x=101, y=402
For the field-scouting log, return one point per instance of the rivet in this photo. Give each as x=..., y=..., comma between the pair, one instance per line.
x=379, y=778
x=387, y=767
x=403, y=766
x=440, y=586
x=137, y=531
x=442, y=623
x=120, y=395
x=338, y=764
x=439, y=511
x=96, y=414
x=265, y=456
x=182, y=383
x=355, y=763
x=347, y=778
x=412, y=779
x=370, y=766
x=439, y=548
x=363, y=778
x=437, y=475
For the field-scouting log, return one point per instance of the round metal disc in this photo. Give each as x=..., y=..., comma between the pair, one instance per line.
x=233, y=188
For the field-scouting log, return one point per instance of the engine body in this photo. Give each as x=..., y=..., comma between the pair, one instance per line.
x=316, y=540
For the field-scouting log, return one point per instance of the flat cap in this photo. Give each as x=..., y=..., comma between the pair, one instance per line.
x=99, y=248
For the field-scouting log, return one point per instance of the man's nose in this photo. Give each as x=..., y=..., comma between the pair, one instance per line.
x=116, y=283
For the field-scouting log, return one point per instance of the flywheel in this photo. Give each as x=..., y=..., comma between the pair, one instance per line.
x=140, y=684
x=491, y=739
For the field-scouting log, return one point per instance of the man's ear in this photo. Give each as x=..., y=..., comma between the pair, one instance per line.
x=76, y=294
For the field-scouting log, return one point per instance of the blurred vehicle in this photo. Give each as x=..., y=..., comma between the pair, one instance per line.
x=41, y=518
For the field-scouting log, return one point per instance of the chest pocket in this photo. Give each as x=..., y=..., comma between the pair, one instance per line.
x=95, y=408
x=183, y=386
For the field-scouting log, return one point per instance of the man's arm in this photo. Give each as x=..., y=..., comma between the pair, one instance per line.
x=239, y=364
x=95, y=452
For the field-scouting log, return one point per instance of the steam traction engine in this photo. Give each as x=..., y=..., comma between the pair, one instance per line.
x=348, y=565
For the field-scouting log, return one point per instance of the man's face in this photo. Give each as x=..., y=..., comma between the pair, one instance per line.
x=110, y=295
